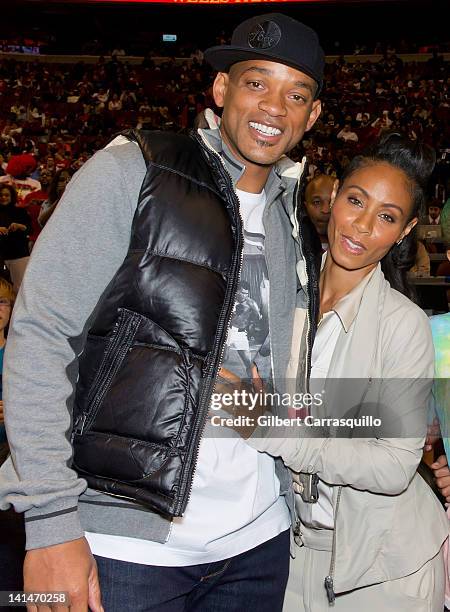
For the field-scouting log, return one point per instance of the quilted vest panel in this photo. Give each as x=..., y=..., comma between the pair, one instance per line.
x=146, y=372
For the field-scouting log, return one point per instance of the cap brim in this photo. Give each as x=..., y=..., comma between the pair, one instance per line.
x=221, y=58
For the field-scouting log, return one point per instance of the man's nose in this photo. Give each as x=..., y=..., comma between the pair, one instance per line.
x=325, y=208
x=273, y=104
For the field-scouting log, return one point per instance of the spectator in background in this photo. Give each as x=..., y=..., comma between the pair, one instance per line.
x=347, y=134
x=440, y=327
x=15, y=226
x=18, y=171
x=115, y=103
x=6, y=303
x=33, y=203
x=318, y=194
x=56, y=189
x=434, y=214
x=445, y=220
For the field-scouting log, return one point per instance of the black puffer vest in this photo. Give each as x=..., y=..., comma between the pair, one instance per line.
x=153, y=350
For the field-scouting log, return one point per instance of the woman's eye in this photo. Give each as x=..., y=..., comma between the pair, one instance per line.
x=387, y=218
x=354, y=201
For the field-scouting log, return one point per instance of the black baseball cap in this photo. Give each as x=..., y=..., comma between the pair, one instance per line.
x=274, y=37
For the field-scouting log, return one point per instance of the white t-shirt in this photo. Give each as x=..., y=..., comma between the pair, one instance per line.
x=235, y=503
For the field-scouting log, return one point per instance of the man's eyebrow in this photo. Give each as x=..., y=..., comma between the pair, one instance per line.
x=267, y=72
x=384, y=204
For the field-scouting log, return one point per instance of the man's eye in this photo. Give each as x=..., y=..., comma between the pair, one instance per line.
x=298, y=98
x=254, y=84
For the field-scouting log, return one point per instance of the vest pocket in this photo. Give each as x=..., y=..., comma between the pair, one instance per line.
x=140, y=410
x=118, y=346
x=146, y=386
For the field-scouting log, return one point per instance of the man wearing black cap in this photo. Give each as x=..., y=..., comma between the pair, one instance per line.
x=179, y=235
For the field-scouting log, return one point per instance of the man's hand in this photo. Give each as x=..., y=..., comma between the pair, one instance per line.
x=3, y=231
x=68, y=567
x=228, y=383
x=442, y=475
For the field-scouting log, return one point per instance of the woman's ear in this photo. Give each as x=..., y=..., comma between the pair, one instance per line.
x=334, y=192
x=410, y=226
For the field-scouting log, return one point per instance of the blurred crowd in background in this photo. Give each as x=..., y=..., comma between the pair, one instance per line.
x=55, y=114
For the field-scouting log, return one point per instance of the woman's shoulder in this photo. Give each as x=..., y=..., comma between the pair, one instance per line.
x=403, y=321
x=406, y=337
x=399, y=307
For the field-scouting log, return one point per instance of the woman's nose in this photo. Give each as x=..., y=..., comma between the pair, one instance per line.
x=363, y=223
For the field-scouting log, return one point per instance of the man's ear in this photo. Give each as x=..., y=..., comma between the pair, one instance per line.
x=220, y=86
x=334, y=192
x=314, y=114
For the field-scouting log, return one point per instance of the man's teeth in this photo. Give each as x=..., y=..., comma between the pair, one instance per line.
x=265, y=129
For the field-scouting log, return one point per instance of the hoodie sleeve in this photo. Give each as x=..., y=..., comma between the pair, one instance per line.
x=76, y=256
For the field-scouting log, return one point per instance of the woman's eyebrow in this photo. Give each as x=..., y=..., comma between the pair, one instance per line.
x=390, y=205
x=360, y=189
x=384, y=204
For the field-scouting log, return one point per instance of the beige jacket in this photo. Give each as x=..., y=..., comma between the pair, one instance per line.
x=388, y=522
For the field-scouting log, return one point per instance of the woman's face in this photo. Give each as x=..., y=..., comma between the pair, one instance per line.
x=5, y=311
x=5, y=197
x=369, y=215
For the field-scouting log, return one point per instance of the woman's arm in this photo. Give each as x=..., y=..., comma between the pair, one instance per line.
x=386, y=464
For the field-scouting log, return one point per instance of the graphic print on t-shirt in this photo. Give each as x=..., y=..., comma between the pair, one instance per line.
x=249, y=327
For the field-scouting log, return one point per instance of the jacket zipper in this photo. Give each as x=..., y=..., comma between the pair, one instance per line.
x=308, y=301
x=329, y=580
x=108, y=370
x=224, y=318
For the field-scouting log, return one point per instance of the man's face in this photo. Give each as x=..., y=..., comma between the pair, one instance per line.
x=45, y=178
x=317, y=201
x=434, y=211
x=267, y=107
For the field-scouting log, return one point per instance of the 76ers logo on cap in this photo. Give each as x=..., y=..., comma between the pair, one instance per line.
x=264, y=35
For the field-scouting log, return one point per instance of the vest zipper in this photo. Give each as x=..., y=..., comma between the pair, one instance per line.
x=227, y=189
x=122, y=339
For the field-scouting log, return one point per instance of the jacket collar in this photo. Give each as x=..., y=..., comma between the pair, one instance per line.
x=348, y=306
x=284, y=175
